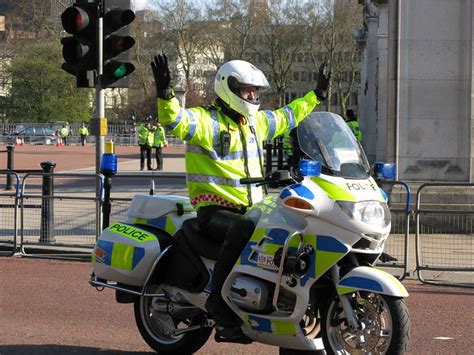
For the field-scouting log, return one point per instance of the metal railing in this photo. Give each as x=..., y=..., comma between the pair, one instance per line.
x=69, y=219
x=397, y=245
x=9, y=201
x=61, y=224
x=445, y=238
x=119, y=139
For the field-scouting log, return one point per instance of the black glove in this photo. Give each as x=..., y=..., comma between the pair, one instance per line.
x=162, y=76
x=322, y=84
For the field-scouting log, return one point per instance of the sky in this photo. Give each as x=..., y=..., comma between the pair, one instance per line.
x=138, y=5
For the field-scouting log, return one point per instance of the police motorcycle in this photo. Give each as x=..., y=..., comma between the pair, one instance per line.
x=304, y=282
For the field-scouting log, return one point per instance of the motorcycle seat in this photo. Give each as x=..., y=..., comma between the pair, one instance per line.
x=199, y=242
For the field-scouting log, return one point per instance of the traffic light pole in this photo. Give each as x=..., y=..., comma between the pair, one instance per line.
x=99, y=92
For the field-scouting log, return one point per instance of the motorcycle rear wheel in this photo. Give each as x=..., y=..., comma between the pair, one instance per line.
x=385, y=325
x=155, y=327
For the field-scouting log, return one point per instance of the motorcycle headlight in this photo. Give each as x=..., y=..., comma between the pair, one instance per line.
x=375, y=213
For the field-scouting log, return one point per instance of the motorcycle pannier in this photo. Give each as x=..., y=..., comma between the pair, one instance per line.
x=125, y=253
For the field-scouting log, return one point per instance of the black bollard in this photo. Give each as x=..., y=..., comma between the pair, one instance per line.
x=10, y=166
x=47, y=204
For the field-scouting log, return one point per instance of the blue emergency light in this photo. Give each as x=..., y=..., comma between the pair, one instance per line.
x=108, y=163
x=385, y=170
x=310, y=167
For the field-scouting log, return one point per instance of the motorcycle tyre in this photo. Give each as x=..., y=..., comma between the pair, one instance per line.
x=400, y=325
x=188, y=344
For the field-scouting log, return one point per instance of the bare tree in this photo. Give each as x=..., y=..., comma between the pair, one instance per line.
x=234, y=23
x=31, y=19
x=148, y=32
x=183, y=25
x=279, y=38
x=332, y=24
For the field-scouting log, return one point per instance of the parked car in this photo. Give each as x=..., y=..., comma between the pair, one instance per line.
x=32, y=135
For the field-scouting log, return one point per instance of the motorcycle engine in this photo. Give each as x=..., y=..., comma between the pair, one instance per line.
x=250, y=293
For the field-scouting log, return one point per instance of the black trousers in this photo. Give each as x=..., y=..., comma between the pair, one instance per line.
x=83, y=140
x=229, y=226
x=159, y=158
x=145, y=149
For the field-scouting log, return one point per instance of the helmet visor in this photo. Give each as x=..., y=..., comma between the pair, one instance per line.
x=246, y=90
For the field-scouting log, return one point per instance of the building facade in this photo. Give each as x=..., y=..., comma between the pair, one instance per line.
x=416, y=94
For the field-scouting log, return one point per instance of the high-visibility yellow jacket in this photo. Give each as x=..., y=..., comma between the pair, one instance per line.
x=159, y=137
x=83, y=131
x=213, y=177
x=354, y=126
x=63, y=132
x=145, y=136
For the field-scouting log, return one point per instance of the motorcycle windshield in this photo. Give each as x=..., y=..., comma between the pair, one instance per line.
x=325, y=137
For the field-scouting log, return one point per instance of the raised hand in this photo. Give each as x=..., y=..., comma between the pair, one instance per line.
x=162, y=76
x=322, y=83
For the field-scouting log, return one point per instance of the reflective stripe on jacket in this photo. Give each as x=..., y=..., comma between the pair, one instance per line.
x=212, y=177
x=159, y=137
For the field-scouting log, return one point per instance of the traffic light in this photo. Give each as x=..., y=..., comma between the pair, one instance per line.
x=80, y=50
x=116, y=65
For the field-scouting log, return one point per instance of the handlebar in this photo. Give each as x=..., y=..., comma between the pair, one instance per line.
x=277, y=178
x=248, y=181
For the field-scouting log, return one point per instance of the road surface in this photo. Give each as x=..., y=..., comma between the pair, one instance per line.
x=47, y=307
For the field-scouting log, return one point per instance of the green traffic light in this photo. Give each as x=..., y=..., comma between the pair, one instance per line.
x=120, y=71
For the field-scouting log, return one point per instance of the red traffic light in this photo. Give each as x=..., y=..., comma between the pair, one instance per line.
x=80, y=49
x=75, y=20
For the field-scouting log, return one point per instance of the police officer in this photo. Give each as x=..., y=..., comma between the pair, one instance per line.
x=159, y=141
x=83, y=132
x=351, y=121
x=64, y=133
x=145, y=141
x=223, y=146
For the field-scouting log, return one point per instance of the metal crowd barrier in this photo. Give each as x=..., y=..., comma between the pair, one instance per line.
x=63, y=221
x=120, y=204
x=397, y=244
x=445, y=238
x=9, y=201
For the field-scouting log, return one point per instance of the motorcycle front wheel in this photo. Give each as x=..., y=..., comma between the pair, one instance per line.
x=156, y=327
x=384, y=325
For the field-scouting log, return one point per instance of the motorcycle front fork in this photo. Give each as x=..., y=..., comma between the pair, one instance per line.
x=345, y=302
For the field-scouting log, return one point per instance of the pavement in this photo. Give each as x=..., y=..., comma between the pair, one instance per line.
x=80, y=159
x=173, y=163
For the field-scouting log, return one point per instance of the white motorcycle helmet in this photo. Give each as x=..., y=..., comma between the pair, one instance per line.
x=235, y=75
